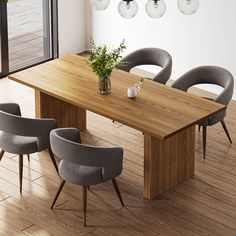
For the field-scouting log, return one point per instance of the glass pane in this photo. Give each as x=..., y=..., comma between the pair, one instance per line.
x=28, y=32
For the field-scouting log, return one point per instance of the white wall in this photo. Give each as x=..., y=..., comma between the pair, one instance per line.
x=207, y=37
x=71, y=22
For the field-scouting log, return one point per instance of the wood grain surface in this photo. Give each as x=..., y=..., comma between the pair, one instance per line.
x=158, y=110
x=168, y=162
x=66, y=114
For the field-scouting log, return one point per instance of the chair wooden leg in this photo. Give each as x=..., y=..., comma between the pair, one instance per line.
x=1, y=154
x=20, y=171
x=53, y=159
x=58, y=193
x=117, y=191
x=85, y=203
x=199, y=128
x=204, y=141
x=28, y=157
x=226, y=131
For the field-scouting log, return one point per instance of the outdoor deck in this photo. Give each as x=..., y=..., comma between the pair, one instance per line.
x=25, y=32
x=25, y=50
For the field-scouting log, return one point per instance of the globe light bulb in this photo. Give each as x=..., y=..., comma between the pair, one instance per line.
x=99, y=4
x=188, y=7
x=156, y=8
x=128, y=8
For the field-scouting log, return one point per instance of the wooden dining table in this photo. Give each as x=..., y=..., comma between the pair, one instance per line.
x=66, y=88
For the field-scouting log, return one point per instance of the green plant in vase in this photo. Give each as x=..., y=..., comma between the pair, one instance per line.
x=103, y=61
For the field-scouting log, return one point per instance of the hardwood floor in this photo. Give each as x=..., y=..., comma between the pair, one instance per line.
x=204, y=205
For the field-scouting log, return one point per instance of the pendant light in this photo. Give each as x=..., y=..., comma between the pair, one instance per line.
x=156, y=8
x=188, y=7
x=128, y=8
x=99, y=4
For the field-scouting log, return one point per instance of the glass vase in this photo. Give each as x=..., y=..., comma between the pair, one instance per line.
x=104, y=85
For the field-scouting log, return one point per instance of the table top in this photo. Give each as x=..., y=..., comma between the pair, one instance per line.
x=158, y=110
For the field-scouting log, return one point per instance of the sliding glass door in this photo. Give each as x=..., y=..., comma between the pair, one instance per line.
x=29, y=34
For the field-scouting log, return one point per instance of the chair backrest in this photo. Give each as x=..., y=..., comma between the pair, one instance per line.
x=17, y=125
x=65, y=144
x=208, y=75
x=149, y=56
x=11, y=108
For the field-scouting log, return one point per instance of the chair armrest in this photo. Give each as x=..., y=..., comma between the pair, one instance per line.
x=11, y=108
x=114, y=166
x=39, y=128
x=226, y=96
x=71, y=134
x=64, y=146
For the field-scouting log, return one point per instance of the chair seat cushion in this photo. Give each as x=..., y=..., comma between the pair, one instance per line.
x=81, y=175
x=18, y=144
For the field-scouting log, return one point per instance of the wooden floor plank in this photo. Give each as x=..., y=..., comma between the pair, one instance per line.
x=36, y=230
x=208, y=218
x=9, y=229
x=13, y=217
x=205, y=199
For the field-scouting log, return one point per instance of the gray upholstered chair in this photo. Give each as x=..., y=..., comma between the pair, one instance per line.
x=23, y=136
x=83, y=164
x=210, y=75
x=149, y=56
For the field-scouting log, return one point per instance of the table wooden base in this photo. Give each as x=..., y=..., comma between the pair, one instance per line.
x=168, y=162
x=66, y=114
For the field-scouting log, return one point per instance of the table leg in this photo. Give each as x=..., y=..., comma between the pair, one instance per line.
x=168, y=162
x=66, y=114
